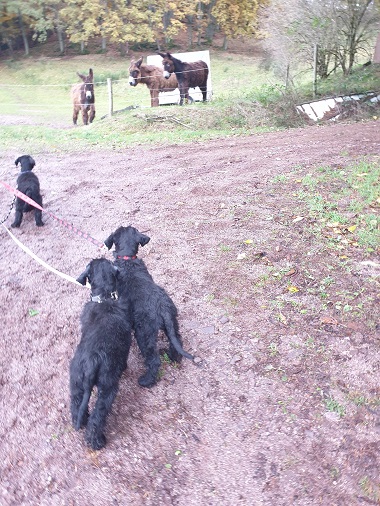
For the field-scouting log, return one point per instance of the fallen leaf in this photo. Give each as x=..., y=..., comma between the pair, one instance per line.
x=291, y=272
x=352, y=228
x=299, y=218
x=293, y=289
x=241, y=256
x=328, y=320
x=248, y=241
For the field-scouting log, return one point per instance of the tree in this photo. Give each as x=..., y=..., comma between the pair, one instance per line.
x=342, y=30
x=19, y=15
x=47, y=18
x=236, y=17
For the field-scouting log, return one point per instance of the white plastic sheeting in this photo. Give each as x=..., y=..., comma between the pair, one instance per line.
x=330, y=108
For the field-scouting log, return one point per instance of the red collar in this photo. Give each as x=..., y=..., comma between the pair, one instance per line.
x=127, y=258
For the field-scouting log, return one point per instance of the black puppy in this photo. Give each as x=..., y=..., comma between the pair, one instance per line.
x=151, y=307
x=27, y=183
x=102, y=353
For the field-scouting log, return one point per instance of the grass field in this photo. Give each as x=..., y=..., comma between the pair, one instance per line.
x=247, y=97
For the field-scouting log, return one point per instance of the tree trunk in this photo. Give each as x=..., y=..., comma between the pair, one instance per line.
x=23, y=34
x=10, y=46
x=61, y=40
x=190, y=31
x=60, y=32
x=225, y=43
x=376, y=56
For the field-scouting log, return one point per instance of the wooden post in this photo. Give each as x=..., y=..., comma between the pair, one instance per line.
x=110, y=96
x=315, y=70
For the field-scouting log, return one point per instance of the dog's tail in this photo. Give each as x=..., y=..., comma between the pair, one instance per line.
x=172, y=333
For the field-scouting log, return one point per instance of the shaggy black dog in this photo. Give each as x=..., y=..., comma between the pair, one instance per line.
x=151, y=307
x=102, y=353
x=27, y=183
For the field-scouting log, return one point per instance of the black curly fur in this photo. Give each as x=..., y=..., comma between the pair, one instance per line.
x=27, y=183
x=150, y=306
x=101, y=356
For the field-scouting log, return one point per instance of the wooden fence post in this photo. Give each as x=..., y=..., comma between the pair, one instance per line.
x=110, y=96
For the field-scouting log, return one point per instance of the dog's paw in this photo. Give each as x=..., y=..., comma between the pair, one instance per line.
x=96, y=441
x=15, y=225
x=147, y=380
x=40, y=224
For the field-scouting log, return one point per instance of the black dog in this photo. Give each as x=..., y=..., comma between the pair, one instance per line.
x=27, y=183
x=101, y=356
x=151, y=307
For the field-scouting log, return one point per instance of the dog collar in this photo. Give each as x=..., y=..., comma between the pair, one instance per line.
x=125, y=257
x=99, y=299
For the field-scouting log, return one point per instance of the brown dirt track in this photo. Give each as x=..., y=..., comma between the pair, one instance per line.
x=247, y=425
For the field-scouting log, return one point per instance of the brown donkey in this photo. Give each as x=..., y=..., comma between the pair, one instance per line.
x=84, y=98
x=152, y=77
x=189, y=75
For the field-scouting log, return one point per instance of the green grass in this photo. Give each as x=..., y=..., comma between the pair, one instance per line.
x=345, y=204
x=243, y=103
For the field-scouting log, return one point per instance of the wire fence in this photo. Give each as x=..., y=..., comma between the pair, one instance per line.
x=53, y=101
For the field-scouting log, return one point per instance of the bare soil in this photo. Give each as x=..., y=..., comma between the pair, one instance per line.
x=253, y=422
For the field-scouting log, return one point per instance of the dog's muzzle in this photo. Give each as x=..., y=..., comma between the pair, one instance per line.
x=132, y=81
x=166, y=74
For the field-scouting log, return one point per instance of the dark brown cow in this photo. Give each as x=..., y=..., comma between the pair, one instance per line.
x=84, y=98
x=152, y=77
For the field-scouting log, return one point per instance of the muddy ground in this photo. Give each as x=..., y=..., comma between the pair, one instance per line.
x=254, y=421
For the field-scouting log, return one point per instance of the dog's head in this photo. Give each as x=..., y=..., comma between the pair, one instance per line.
x=127, y=241
x=102, y=276
x=26, y=161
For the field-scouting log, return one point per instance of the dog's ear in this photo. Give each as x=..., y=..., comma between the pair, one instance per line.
x=31, y=161
x=109, y=241
x=82, y=279
x=18, y=160
x=143, y=239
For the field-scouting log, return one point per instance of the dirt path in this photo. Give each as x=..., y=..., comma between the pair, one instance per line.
x=248, y=425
